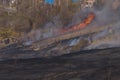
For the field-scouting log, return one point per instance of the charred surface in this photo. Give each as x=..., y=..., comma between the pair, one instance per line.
x=85, y=65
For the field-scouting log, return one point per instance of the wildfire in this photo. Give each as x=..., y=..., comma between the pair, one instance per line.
x=82, y=25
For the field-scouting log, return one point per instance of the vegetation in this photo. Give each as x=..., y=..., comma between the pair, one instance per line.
x=28, y=17
x=7, y=32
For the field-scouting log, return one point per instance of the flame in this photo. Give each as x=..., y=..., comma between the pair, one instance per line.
x=82, y=25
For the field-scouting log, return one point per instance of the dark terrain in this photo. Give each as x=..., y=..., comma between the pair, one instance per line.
x=47, y=58
x=84, y=65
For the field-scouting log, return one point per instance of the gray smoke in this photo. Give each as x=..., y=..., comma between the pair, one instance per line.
x=106, y=15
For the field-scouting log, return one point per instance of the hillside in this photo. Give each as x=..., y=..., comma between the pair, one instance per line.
x=59, y=40
x=84, y=65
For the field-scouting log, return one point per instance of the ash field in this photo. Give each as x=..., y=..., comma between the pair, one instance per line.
x=96, y=64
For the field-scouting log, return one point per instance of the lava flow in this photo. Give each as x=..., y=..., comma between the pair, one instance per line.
x=82, y=25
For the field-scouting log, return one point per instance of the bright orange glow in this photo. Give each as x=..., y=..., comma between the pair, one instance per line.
x=82, y=25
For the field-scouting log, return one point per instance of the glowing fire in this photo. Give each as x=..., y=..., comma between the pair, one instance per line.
x=82, y=25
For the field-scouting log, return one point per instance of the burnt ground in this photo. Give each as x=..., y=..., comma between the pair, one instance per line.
x=84, y=65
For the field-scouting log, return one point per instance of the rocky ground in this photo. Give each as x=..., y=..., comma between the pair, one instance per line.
x=84, y=65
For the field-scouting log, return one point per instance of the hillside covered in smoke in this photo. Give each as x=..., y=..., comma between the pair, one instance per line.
x=63, y=26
